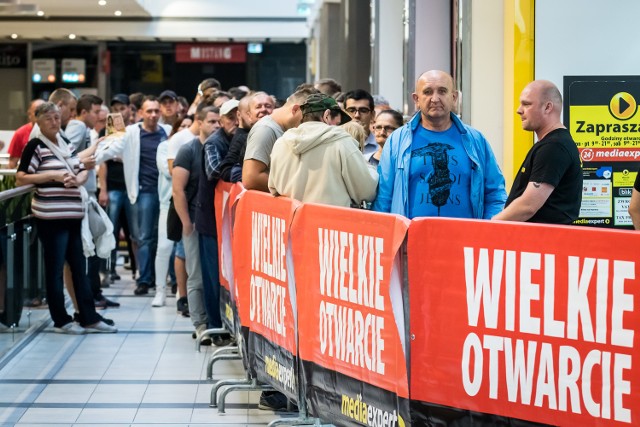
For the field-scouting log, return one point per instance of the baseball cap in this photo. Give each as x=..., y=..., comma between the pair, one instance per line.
x=321, y=102
x=228, y=106
x=168, y=94
x=121, y=98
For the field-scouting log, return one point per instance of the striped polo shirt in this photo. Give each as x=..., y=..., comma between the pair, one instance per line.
x=51, y=199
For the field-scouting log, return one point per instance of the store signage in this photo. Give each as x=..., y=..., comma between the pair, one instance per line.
x=13, y=56
x=211, y=52
x=43, y=70
x=602, y=114
x=73, y=70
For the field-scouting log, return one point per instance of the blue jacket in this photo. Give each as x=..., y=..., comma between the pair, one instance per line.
x=487, y=183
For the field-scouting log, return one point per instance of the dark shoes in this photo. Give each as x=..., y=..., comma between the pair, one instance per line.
x=76, y=318
x=183, y=306
x=275, y=401
x=142, y=289
x=221, y=340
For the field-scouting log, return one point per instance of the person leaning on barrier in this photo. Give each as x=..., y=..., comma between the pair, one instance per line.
x=320, y=162
x=435, y=165
x=58, y=209
x=548, y=186
x=634, y=204
x=257, y=158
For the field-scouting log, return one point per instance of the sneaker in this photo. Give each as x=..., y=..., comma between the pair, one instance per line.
x=141, y=289
x=204, y=338
x=107, y=321
x=274, y=401
x=159, y=299
x=76, y=318
x=101, y=328
x=70, y=328
x=112, y=304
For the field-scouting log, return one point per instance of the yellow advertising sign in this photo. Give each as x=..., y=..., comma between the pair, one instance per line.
x=625, y=178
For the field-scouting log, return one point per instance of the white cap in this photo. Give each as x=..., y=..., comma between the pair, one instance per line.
x=228, y=106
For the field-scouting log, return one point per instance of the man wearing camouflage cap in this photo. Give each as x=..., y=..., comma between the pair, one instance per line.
x=320, y=162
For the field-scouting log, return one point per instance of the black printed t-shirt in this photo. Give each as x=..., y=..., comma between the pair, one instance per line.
x=553, y=160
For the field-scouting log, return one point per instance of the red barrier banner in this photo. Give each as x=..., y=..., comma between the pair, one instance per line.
x=264, y=291
x=224, y=198
x=526, y=321
x=351, y=324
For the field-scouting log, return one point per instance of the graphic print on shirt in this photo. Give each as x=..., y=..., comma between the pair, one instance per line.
x=439, y=181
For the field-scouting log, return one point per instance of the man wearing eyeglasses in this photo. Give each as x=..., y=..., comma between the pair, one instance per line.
x=360, y=106
x=436, y=165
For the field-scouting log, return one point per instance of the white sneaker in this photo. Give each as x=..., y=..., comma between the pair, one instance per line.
x=101, y=328
x=71, y=328
x=159, y=299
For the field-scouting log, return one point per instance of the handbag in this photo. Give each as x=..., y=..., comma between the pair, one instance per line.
x=96, y=222
x=174, y=224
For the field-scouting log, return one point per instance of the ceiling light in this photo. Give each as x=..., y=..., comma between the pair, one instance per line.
x=72, y=36
x=117, y=13
x=102, y=3
x=40, y=13
x=14, y=36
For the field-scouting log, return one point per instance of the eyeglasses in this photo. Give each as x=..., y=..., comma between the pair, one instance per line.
x=361, y=110
x=387, y=129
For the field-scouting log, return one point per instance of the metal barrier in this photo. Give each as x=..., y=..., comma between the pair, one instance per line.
x=21, y=258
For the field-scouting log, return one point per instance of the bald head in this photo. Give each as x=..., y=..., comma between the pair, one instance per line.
x=547, y=92
x=436, y=75
x=436, y=98
x=540, y=107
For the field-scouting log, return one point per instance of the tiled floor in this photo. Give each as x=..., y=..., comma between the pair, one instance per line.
x=147, y=374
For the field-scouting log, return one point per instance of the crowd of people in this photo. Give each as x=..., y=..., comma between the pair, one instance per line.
x=320, y=145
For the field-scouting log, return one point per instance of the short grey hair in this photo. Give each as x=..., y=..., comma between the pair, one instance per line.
x=47, y=107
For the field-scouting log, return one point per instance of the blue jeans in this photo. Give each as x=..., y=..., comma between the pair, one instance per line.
x=147, y=211
x=61, y=242
x=118, y=201
x=210, y=279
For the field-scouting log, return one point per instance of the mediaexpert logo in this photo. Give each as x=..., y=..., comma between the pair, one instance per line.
x=587, y=155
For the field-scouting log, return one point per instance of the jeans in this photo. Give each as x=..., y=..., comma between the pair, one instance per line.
x=195, y=294
x=61, y=241
x=210, y=279
x=118, y=201
x=163, y=253
x=147, y=211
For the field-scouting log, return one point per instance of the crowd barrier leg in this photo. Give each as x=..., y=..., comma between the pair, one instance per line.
x=301, y=419
x=213, y=400
x=214, y=331
x=252, y=386
x=225, y=353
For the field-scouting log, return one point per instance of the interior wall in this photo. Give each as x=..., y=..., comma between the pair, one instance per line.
x=487, y=72
x=575, y=37
x=388, y=65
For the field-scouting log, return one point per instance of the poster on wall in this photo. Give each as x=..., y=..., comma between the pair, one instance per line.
x=602, y=114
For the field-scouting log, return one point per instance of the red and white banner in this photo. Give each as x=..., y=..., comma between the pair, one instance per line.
x=526, y=321
x=351, y=312
x=260, y=238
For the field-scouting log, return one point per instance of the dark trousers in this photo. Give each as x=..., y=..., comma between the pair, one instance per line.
x=210, y=279
x=61, y=241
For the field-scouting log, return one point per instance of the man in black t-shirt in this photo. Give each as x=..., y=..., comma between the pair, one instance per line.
x=548, y=186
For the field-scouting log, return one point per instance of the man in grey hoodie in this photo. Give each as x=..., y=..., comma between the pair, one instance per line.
x=320, y=162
